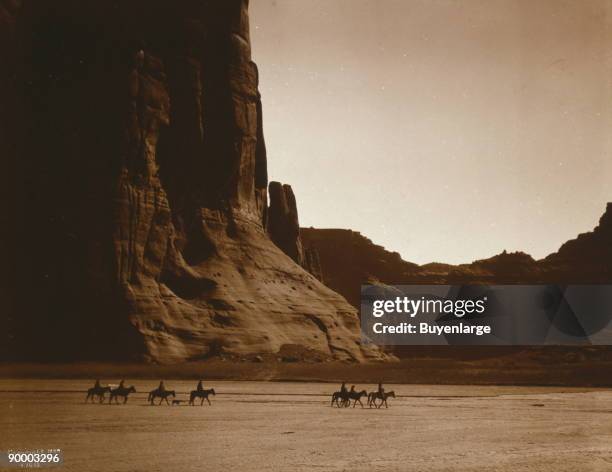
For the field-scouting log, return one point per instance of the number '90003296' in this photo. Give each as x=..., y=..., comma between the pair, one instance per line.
x=31, y=459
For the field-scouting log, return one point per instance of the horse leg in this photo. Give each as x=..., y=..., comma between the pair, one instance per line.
x=208, y=400
x=201, y=401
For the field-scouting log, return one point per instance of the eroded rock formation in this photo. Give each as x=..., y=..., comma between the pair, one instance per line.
x=143, y=195
x=284, y=229
x=283, y=223
x=348, y=259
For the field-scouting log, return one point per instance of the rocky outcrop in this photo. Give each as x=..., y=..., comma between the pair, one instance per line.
x=312, y=262
x=588, y=257
x=348, y=259
x=143, y=199
x=283, y=223
x=284, y=229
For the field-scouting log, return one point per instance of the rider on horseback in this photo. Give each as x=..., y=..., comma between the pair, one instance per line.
x=97, y=384
x=162, y=387
x=121, y=383
x=343, y=390
x=381, y=390
x=200, y=386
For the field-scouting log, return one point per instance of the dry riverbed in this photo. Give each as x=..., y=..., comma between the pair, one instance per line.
x=274, y=426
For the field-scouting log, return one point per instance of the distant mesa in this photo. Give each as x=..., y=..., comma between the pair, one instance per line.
x=348, y=259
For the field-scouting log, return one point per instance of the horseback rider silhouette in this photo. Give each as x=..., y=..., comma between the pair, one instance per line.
x=200, y=386
x=121, y=383
x=343, y=389
x=162, y=387
x=381, y=390
x=97, y=384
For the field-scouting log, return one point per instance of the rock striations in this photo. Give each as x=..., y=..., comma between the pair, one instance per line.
x=143, y=193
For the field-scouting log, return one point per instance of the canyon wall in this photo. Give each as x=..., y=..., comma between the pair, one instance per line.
x=348, y=260
x=141, y=208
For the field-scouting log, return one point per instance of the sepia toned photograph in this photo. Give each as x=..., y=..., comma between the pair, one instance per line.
x=297, y=235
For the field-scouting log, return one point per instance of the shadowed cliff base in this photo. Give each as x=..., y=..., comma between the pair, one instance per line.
x=557, y=366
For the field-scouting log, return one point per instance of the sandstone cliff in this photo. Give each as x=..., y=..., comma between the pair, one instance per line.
x=283, y=224
x=142, y=200
x=349, y=259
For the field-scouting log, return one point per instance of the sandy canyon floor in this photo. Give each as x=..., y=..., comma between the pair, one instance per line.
x=274, y=426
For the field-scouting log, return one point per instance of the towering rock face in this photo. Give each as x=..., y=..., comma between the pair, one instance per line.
x=8, y=135
x=141, y=215
x=284, y=229
x=283, y=224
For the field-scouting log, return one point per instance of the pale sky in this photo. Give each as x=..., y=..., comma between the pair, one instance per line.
x=446, y=130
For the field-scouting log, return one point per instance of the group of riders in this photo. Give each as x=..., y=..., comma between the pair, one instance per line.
x=160, y=392
x=343, y=397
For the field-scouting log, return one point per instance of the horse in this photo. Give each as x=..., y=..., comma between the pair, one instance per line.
x=373, y=396
x=162, y=394
x=97, y=392
x=121, y=392
x=356, y=396
x=203, y=394
x=339, y=395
